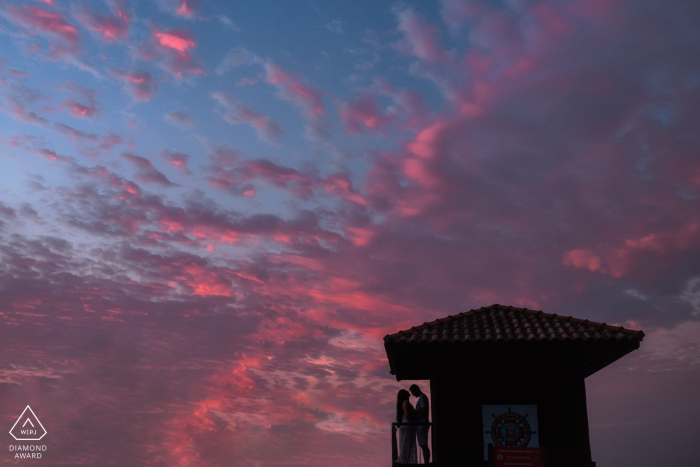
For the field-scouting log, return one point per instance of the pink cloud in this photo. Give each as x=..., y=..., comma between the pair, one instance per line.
x=235, y=176
x=176, y=159
x=209, y=287
x=182, y=8
x=236, y=113
x=363, y=114
x=683, y=239
x=103, y=142
x=582, y=259
x=19, y=112
x=146, y=173
x=230, y=182
x=307, y=99
x=428, y=142
x=634, y=255
x=278, y=175
x=340, y=184
x=79, y=110
x=139, y=84
x=177, y=46
x=128, y=188
x=186, y=8
x=86, y=107
x=111, y=27
x=180, y=41
x=236, y=179
x=43, y=21
x=52, y=155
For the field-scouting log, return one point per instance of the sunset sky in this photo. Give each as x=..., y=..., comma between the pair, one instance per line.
x=211, y=212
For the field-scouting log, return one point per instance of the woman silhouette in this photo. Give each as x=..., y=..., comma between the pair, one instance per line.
x=407, y=433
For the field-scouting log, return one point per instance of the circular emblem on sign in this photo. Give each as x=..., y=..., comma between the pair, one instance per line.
x=510, y=429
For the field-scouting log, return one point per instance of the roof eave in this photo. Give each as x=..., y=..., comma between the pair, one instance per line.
x=389, y=354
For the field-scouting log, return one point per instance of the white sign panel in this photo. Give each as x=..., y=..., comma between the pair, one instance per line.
x=510, y=426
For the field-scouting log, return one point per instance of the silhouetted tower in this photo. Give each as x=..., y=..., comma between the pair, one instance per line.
x=506, y=356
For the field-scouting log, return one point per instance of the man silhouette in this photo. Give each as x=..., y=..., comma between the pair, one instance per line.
x=422, y=416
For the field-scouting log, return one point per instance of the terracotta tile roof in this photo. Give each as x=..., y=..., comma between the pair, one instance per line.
x=507, y=323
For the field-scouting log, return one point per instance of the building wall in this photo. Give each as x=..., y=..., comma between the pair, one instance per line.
x=461, y=384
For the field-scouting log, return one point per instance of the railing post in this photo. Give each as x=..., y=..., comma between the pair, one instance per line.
x=394, y=448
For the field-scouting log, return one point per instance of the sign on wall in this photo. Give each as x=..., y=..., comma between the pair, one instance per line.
x=513, y=426
x=518, y=457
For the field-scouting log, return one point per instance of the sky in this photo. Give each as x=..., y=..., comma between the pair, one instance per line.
x=211, y=213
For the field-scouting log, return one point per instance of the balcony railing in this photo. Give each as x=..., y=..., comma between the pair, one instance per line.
x=394, y=446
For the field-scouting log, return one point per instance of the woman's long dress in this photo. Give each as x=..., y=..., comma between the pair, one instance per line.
x=407, y=445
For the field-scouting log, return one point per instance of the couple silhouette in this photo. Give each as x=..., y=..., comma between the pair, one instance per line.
x=405, y=412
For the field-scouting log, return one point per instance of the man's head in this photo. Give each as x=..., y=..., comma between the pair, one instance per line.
x=415, y=390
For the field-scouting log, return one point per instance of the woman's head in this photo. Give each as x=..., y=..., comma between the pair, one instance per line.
x=402, y=396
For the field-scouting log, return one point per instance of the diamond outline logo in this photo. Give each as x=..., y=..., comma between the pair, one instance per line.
x=35, y=418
